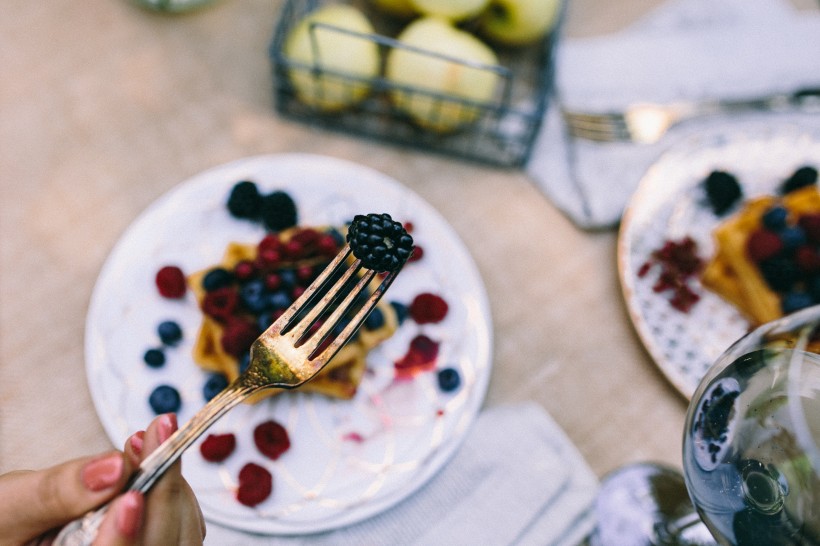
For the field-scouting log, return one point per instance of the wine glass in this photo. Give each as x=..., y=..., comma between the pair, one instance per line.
x=751, y=453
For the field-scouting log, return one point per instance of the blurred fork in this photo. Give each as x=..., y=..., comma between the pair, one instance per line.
x=646, y=123
x=289, y=353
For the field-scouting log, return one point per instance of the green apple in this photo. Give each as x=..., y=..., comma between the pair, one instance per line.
x=519, y=22
x=333, y=69
x=454, y=10
x=398, y=8
x=417, y=69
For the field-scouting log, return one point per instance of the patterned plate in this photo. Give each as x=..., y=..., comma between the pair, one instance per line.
x=670, y=204
x=348, y=459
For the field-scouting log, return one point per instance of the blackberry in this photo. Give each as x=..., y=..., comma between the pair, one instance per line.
x=278, y=211
x=722, y=191
x=165, y=399
x=217, y=277
x=780, y=273
x=169, y=332
x=802, y=177
x=381, y=243
x=245, y=201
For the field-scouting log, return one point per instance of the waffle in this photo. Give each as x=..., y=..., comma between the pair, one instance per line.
x=341, y=376
x=732, y=275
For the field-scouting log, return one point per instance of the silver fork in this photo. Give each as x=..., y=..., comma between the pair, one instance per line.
x=646, y=123
x=285, y=356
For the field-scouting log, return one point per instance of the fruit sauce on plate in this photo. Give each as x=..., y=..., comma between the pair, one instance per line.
x=320, y=462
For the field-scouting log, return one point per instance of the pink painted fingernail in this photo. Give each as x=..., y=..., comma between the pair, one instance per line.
x=167, y=426
x=137, y=441
x=102, y=473
x=129, y=513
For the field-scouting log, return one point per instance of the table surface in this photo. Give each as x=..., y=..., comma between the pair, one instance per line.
x=106, y=106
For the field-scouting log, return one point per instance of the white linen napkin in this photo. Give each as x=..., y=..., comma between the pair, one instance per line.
x=683, y=50
x=516, y=479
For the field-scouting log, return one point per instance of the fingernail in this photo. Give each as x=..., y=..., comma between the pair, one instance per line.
x=102, y=473
x=129, y=513
x=137, y=441
x=167, y=426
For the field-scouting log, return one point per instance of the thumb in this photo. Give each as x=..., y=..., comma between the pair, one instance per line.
x=34, y=502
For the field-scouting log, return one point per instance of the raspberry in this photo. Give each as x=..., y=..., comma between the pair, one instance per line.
x=238, y=335
x=255, y=484
x=722, y=191
x=244, y=270
x=278, y=211
x=271, y=439
x=802, y=177
x=428, y=308
x=811, y=226
x=762, y=245
x=217, y=447
x=165, y=399
x=807, y=259
x=170, y=281
x=244, y=200
x=418, y=254
x=381, y=243
x=220, y=304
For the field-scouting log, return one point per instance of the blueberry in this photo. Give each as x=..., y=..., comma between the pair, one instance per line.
x=401, y=311
x=374, y=320
x=244, y=362
x=449, y=379
x=279, y=300
x=780, y=273
x=165, y=399
x=794, y=301
x=169, y=332
x=288, y=277
x=217, y=278
x=154, y=358
x=253, y=296
x=792, y=237
x=264, y=321
x=775, y=218
x=215, y=384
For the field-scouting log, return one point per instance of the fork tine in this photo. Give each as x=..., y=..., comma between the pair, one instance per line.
x=316, y=342
x=600, y=134
x=286, y=322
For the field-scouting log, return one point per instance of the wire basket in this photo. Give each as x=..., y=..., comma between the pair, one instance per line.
x=502, y=134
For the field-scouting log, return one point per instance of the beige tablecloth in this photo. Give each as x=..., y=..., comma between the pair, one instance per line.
x=105, y=106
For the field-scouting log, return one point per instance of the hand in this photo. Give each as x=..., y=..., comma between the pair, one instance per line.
x=34, y=505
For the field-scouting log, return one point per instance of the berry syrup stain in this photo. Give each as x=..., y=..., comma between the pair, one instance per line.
x=420, y=357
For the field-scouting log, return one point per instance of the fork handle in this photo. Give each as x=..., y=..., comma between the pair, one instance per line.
x=82, y=531
x=801, y=97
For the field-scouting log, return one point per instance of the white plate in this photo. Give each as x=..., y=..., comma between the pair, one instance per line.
x=330, y=477
x=670, y=204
